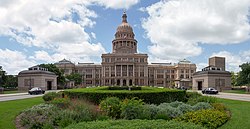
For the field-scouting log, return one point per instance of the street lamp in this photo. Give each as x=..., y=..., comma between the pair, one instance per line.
x=248, y=82
x=30, y=82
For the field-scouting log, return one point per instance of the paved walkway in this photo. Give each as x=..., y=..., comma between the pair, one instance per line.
x=16, y=96
x=233, y=96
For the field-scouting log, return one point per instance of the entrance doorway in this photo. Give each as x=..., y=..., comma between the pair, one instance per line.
x=130, y=82
x=49, y=85
x=118, y=82
x=199, y=85
x=124, y=82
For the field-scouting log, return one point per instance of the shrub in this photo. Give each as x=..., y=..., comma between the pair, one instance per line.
x=131, y=108
x=149, y=112
x=111, y=106
x=207, y=118
x=50, y=96
x=219, y=106
x=123, y=88
x=149, y=95
x=194, y=98
x=61, y=102
x=38, y=116
x=135, y=124
x=167, y=112
x=184, y=108
x=51, y=116
x=176, y=104
x=202, y=105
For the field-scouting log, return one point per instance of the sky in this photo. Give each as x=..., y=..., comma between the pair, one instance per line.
x=43, y=31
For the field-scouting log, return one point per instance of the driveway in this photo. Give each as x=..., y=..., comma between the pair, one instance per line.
x=7, y=97
x=233, y=96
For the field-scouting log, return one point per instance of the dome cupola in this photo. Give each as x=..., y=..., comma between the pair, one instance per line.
x=124, y=41
x=124, y=30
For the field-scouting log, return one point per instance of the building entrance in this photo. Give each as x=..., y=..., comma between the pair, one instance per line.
x=124, y=82
x=199, y=85
x=130, y=82
x=49, y=85
x=118, y=82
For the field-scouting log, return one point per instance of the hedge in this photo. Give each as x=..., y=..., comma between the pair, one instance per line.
x=134, y=124
x=150, y=95
x=123, y=88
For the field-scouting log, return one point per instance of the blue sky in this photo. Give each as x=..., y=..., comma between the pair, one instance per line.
x=41, y=31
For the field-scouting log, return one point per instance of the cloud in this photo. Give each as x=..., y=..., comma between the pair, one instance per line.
x=233, y=61
x=177, y=27
x=117, y=4
x=56, y=27
x=14, y=61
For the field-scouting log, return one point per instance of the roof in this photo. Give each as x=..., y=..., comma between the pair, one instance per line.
x=36, y=72
x=212, y=72
x=64, y=61
x=184, y=61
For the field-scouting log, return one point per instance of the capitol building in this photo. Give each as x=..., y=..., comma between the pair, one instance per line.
x=124, y=66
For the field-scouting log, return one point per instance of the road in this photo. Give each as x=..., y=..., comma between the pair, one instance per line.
x=233, y=96
x=7, y=97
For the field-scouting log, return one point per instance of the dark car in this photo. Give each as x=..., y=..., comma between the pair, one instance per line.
x=210, y=91
x=182, y=88
x=36, y=91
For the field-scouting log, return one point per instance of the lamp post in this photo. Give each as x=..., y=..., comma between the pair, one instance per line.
x=248, y=82
x=30, y=83
x=0, y=80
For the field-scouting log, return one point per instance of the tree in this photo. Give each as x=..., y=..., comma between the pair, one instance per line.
x=10, y=81
x=76, y=77
x=2, y=76
x=57, y=71
x=244, y=74
x=234, y=77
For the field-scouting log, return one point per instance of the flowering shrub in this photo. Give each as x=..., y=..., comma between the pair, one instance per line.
x=131, y=108
x=208, y=118
x=111, y=106
x=61, y=102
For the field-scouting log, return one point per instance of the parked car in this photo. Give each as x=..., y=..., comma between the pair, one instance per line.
x=182, y=88
x=35, y=91
x=210, y=91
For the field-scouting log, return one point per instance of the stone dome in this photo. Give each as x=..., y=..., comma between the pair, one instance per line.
x=124, y=27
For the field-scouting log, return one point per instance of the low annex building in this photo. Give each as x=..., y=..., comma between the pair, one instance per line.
x=125, y=66
x=213, y=75
x=37, y=77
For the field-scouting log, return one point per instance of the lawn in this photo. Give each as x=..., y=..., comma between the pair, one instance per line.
x=240, y=114
x=9, y=110
x=12, y=92
x=236, y=91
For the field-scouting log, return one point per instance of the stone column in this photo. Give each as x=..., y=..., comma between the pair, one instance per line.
x=127, y=71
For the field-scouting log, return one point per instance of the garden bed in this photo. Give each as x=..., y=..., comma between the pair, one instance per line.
x=134, y=124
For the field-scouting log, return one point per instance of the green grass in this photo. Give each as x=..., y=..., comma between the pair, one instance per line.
x=236, y=91
x=12, y=92
x=10, y=109
x=240, y=114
